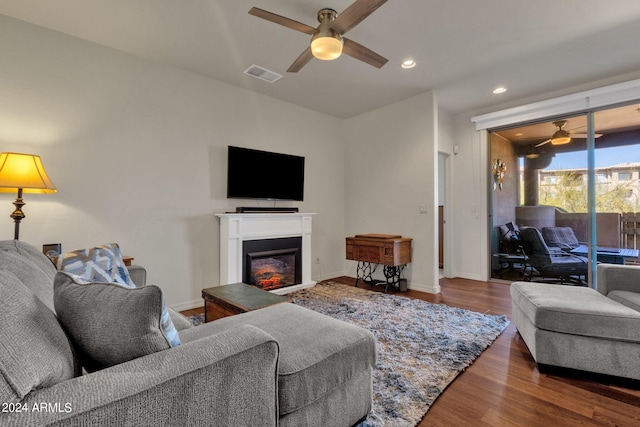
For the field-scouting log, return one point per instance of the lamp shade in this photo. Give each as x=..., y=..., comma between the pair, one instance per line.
x=23, y=171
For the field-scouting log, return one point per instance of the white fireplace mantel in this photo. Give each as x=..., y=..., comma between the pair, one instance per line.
x=235, y=228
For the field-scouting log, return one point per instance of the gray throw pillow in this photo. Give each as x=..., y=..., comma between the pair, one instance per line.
x=104, y=264
x=107, y=322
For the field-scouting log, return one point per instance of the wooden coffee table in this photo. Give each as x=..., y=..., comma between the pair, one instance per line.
x=228, y=300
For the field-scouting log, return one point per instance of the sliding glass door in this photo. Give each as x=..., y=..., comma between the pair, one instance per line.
x=577, y=188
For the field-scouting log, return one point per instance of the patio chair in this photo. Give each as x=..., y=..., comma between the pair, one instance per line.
x=560, y=237
x=510, y=256
x=508, y=238
x=552, y=264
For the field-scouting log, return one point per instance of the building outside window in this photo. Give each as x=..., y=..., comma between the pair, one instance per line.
x=617, y=185
x=624, y=176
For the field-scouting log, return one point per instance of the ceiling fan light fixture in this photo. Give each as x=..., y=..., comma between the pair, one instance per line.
x=326, y=44
x=561, y=136
x=326, y=48
x=532, y=153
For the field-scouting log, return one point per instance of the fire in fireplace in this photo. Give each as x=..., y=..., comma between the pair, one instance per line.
x=272, y=263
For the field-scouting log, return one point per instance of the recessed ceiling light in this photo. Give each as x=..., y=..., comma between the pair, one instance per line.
x=500, y=89
x=408, y=63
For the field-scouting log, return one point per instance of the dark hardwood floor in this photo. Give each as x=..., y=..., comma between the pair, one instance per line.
x=505, y=387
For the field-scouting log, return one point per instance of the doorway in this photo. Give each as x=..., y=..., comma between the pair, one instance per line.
x=443, y=231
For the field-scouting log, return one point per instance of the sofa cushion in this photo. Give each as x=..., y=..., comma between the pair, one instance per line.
x=109, y=323
x=576, y=310
x=98, y=264
x=318, y=354
x=630, y=299
x=30, y=252
x=35, y=352
x=30, y=266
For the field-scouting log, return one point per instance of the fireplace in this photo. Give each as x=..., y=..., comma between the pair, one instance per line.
x=238, y=228
x=272, y=263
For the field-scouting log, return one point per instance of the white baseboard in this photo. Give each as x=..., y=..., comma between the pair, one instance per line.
x=468, y=276
x=188, y=305
x=328, y=276
x=433, y=289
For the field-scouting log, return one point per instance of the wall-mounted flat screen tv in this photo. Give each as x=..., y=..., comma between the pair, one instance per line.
x=256, y=174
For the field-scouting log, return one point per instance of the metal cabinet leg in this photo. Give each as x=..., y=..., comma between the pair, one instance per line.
x=365, y=271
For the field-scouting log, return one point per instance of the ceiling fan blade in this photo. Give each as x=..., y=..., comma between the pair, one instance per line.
x=357, y=51
x=542, y=143
x=278, y=19
x=355, y=14
x=301, y=61
x=584, y=135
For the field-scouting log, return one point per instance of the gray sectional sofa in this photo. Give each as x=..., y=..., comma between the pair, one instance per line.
x=283, y=365
x=583, y=328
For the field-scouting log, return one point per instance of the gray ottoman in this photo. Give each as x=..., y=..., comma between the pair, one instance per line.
x=324, y=367
x=578, y=328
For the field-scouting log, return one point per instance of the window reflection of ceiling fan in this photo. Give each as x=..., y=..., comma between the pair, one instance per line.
x=562, y=136
x=327, y=42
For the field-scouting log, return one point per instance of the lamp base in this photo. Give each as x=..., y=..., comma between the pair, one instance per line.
x=17, y=214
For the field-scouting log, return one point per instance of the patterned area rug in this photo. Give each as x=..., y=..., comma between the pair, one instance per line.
x=421, y=346
x=196, y=319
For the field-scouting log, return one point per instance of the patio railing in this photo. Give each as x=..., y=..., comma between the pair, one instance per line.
x=630, y=232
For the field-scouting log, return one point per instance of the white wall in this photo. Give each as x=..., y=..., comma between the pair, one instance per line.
x=390, y=171
x=138, y=154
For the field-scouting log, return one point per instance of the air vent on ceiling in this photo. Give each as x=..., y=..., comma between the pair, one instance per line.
x=262, y=74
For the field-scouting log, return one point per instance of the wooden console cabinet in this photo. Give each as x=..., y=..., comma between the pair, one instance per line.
x=370, y=250
x=386, y=249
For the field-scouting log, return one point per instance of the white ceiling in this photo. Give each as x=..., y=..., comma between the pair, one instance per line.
x=464, y=48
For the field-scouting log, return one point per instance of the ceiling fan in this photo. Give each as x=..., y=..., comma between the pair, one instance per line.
x=562, y=136
x=327, y=41
x=533, y=153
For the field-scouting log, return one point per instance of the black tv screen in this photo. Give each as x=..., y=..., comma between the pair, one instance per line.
x=255, y=174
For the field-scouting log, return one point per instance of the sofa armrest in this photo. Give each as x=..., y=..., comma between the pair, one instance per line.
x=138, y=275
x=617, y=277
x=227, y=379
x=179, y=321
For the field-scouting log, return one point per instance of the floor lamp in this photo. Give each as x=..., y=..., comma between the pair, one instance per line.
x=22, y=173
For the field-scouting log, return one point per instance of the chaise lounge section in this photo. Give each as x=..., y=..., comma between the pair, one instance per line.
x=583, y=328
x=283, y=365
